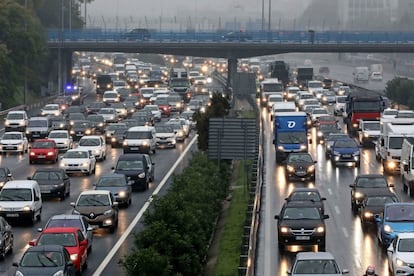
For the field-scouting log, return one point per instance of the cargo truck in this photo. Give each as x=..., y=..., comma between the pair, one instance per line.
x=407, y=165
x=304, y=74
x=290, y=134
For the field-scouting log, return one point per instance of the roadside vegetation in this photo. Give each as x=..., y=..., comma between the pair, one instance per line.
x=400, y=91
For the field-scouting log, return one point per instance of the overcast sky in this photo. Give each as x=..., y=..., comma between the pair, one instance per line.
x=133, y=12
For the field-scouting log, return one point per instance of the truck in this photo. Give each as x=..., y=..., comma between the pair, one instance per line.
x=280, y=70
x=359, y=107
x=181, y=86
x=103, y=83
x=407, y=165
x=361, y=73
x=303, y=75
x=376, y=68
x=268, y=87
x=290, y=133
x=389, y=146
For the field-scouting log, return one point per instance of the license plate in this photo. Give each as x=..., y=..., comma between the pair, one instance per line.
x=346, y=155
x=135, y=148
x=12, y=215
x=9, y=147
x=41, y=156
x=302, y=238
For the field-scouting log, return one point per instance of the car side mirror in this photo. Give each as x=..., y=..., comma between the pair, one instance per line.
x=39, y=229
x=32, y=242
x=36, y=198
x=315, y=162
x=15, y=264
x=115, y=204
x=288, y=272
x=70, y=263
x=277, y=216
x=390, y=249
x=391, y=185
x=84, y=242
x=29, y=178
x=325, y=216
x=406, y=167
x=351, y=185
x=345, y=271
x=323, y=198
x=72, y=204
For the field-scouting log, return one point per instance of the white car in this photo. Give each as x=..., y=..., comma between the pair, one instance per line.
x=110, y=97
x=339, y=106
x=14, y=141
x=376, y=76
x=315, y=264
x=316, y=113
x=62, y=139
x=156, y=112
x=51, y=109
x=78, y=161
x=95, y=144
x=109, y=113
x=185, y=123
x=166, y=136
x=400, y=254
x=389, y=113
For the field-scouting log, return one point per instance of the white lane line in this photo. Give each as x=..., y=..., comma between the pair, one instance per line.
x=337, y=210
x=329, y=191
x=345, y=232
x=141, y=212
x=357, y=263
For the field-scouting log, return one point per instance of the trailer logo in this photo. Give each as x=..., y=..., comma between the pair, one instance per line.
x=291, y=124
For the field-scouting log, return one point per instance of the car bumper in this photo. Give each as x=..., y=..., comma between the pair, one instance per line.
x=24, y=215
x=75, y=169
x=42, y=158
x=302, y=240
x=137, y=149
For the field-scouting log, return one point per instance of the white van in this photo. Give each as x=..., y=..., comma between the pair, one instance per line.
x=282, y=107
x=16, y=120
x=140, y=139
x=21, y=199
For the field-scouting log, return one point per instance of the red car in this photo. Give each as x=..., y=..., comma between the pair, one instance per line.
x=71, y=238
x=164, y=105
x=43, y=150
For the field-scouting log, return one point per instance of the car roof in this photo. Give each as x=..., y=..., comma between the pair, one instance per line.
x=406, y=235
x=66, y=216
x=49, y=170
x=304, y=190
x=300, y=204
x=94, y=192
x=141, y=128
x=20, y=184
x=314, y=255
x=370, y=176
x=48, y=247
x=60, y=230
x=78, y=149
x=131, y=156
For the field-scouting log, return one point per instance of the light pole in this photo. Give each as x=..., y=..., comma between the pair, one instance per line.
x=25, y=60
x=60, y=49
x=270, y=14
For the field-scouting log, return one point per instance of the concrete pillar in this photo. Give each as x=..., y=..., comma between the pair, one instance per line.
x=231, y=71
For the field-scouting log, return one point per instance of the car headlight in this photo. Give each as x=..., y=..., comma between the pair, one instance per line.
x=320, y=133
x=284, y=229
x=145, y=143
x=141, y=175
x=366, y=135
x=290, y=169
x=359, y=195
x=32, y=153
x=84, y=164
x=368, y=214
x=113, y=139
x=320, y=229
x=73, y=257
x=125, y=143
x=75, y=212
x=108, y=212
x=122, y=194
x=100, y=124
x=50, y=153
x=7, y=123
x=97, y=151
x=356, y=152
x=311, y=168
x=27, y=132
x=387, y=229
x=400, y=262
x=27, y=208
x=108, y=134
x=1, y=184
x=180, y=133
x=280, y=148
x=303, y=147
x=391, y=165
x=354, y=125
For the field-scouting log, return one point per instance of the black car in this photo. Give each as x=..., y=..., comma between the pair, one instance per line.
x=5, y=175
x=301, y=223
x=118, y=137
x=6, y=238
x=45, y=260
x=94, y=107
x=237, y=36
x=138, y=167
x=300, y=165
x=308, y=195
x=98, y=122
x=330, y=140
x=323, y=130
x=52, y=182
x=118, y=184
x=360, y=185
x=373, y=204
x=81, y=128
x=138, y=34
x=59, y=123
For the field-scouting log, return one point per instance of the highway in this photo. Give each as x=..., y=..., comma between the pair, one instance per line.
x=353, y=247
x=103, y=241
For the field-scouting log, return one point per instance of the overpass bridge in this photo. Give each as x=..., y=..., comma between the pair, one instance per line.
x=227, y=45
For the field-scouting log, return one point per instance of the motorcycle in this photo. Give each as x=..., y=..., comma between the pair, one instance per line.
x=370, y=271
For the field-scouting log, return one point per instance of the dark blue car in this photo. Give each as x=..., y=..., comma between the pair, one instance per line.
x=345, y=151
x=396, y=218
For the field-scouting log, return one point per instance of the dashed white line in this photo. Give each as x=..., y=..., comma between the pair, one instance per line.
x=337, y=210
x=330, y=191
x=345, y=232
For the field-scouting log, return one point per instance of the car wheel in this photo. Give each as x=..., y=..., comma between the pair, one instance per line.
x=63, y=196
x=3, y=253
x=94, y=169
x=89, y=171
x=354, y=208
x=281, y=247
x=322, y=247
x=39, y=216
x=85, y=265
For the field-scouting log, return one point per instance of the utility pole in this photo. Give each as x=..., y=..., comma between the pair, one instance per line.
x=263, y=15
x=270, y=14
x=25, y=60
x=60, y=85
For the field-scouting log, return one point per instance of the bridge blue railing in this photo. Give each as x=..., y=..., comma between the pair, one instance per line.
x=260, y=37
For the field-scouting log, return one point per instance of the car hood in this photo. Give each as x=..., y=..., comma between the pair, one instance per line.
x=90, y=148
x=300, y=164
x=41, y=150
x=37, y=128
x=86, y=210
x=49, y=181
x=336, y=274
x=407, y=257
x=75, y=160
x=11, y=142
x=374, y=209
x=164, y=134
x=15, y=204
x=301, y=223
x=39, y=270
x=129, y=172
x=398, y=227
x=345, y=150
x=372, y=132
x=114, y=190
x=60, y=140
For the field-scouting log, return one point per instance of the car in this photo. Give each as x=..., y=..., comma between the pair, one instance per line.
x=140, y=139
x=328, y=98
x=138, y=34
x=51, y=109
x=176, y=103
x=78, y=161
x=315, y=264
x=308, y=194
x=45, y=260
x=59, y=123
x=339, y=105
x=14, y=141
x=389, y=113
x=300, y=165
x=400, y=254
x=343, y=90
x=301, y=223
x=237, y=36
x=52, y=182
x=98, y=207
x=121, y=109
x=138, y=167
x=72, y=239
x=396, y=218
x=81, y=128
x=329, y=141
x=94, y=107
x=369, y=132
x=273, y=99
x=119, y=185
x=109, y=113
x=95, y=144
x=140, y=119
x=62, y=139
x=376, y=76
x=324, y=70
x=345, y=151
x=323, y=130
x=373, y=204
x=6, y=238
x=117, y=138
x=155, y=110
x=5, y=176
x=38, y=128
x=188, y=115
x=97, y=122
x=76, y=116
x=361, y=183
x=110, y=97
x=166, y=136
x=163, y=104
x=178, y=130
x=110, y=129
x=316, y=113
x=16, y=120
x=43, y=150
x=71, y=220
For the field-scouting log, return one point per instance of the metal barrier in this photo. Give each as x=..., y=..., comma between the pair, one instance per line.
x=28, y=107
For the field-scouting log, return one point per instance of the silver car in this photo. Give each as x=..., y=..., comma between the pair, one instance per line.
x=316, y=264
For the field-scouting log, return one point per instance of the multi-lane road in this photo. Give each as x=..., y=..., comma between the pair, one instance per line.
x=104, y=242
x=353, y=247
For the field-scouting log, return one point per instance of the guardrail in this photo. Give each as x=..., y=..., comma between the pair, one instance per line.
x=28, y=107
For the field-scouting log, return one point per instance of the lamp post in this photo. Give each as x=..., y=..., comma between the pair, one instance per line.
x=270, y=14
x=60, y=49
x=25, y=61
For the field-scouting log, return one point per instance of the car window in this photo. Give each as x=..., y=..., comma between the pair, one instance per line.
x=42, y=259
x=316, y=267
x=64, y=239
x=395, y=213
x=301, y=213
x=58, y=135
x=406, y=245
x=345, y=144
x=12, y=136
x=130, y=165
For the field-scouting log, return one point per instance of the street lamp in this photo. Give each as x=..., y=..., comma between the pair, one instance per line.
x=25, y=60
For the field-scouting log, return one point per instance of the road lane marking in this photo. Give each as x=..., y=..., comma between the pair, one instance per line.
x=337, y=209
x=330, y=191
x=345, y=232
x=141, y=212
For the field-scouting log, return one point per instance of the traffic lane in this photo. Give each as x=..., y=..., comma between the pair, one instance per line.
x=102, y=240
x=354, y=248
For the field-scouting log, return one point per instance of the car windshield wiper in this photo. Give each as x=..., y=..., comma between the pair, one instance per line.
x=48, y=258
x=6, y=198
x=97, y=202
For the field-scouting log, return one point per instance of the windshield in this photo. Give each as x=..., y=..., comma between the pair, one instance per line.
x=395, y=142
x=93, y=200
x=15, y=116
x=58, y=135
x=115, y=126
x=107, y=111
x=12, y=136
x=390, y=112
x=164, y=129
x=371, y=182
x=272, y=87
x=316, y=267
x=174, y=98
x=161, y=101
x=299, y=158
x=320, y=111
x=111, y=182
x=406, y=245
x=306, y=96
x=42, y=145
x=372, y=126
x=380, y=200
x=63, y=239
x=399, y=212
x=138, y=135
x=291, y=138
x=3, y=172
x=75, y=154
x=42, y=259
x=300, y=213
x=127, y=165
x=110, y=95
x=328, y=127
x=37, y=123
x=16, y=195
x=304, y=196
x=345, y=144
x=366, y=106
x=96, y=118
x=315, y=85
x=51, y=107
x=47, y=175
x=341, y=99
x=179, y=83
x=80, y=124
x=76, y=116
x=89, y=142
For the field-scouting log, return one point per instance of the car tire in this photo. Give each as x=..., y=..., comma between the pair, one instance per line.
x=281, y=247
x=89, y=171
x=333, y=163
x=63, y=196
x=322, y=247
x=354, y=208
x=39, y=216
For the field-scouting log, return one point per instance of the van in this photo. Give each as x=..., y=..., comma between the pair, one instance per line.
x=16, y=120
x=140, y=139
x=38, y=127
x=407, y=165
x=21, y=199
x=282, y=107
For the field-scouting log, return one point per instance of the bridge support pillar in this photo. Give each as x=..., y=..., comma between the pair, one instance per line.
x=231, y=71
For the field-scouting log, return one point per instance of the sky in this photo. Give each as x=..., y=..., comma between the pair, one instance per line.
x=201, y=13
